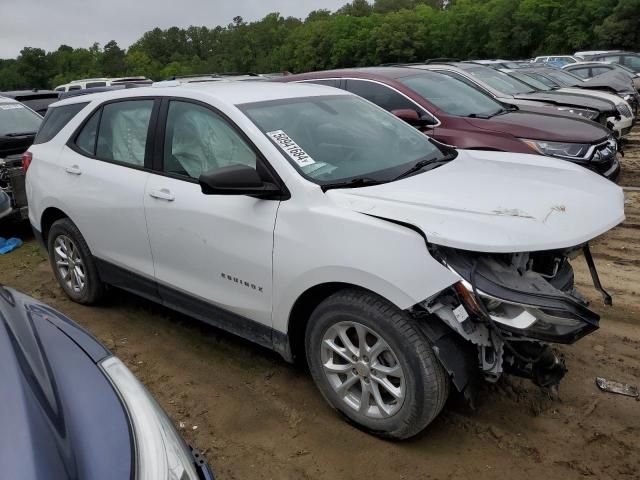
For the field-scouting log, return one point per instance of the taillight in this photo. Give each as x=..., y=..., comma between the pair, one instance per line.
x=27, y=157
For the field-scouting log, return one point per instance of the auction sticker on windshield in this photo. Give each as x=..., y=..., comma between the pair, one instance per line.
x=11, y=106
x=291, y=148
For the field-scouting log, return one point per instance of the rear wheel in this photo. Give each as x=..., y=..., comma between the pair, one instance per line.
x=73, y=264
x=373, y=365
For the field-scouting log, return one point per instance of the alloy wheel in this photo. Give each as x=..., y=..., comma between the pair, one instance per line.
x=69, y=264
x=363, y=370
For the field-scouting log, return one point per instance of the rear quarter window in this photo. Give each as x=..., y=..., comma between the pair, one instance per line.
x=56, y=119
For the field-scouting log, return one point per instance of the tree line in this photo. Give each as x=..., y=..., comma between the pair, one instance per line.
x=358, y=34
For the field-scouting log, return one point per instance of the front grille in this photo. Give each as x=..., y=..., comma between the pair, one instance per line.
x=624, y=110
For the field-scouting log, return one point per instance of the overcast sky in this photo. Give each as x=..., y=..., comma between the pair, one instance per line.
x=49, y=23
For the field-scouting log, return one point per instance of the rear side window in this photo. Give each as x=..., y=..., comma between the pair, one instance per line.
x=599, y=70
x=118, y=132
x=75, y=87
x=95, y=84
x=632, y=62
x=56, y=119
x=86, y=140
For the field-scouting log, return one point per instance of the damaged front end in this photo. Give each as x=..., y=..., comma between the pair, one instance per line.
x=507, y=309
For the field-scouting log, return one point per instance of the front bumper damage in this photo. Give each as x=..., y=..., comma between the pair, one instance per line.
x=507, y=309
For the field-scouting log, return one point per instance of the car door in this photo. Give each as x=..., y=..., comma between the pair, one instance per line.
x=212, y=253
x=102, y=182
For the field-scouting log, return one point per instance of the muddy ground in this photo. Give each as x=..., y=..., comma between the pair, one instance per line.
x=256, y=416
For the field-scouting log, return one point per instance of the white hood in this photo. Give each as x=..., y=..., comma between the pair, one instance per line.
x=497, y=202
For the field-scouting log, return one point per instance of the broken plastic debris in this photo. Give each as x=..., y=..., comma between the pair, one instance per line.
x=617, y=387
x=182, y=425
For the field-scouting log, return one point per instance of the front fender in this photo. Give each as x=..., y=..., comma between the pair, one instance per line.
x=336, y=245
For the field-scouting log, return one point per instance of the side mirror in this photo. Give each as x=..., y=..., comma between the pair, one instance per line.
x=412, y=117
x=237, y=180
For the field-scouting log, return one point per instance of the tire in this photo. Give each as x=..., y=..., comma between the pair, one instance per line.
x=421, y=385
x=64, y=236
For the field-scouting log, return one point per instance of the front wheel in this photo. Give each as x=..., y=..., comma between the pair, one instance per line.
x=372, y=364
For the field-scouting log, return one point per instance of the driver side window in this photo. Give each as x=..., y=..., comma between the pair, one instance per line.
x=197, y=140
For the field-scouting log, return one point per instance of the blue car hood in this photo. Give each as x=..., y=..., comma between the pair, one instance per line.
x=59, y=415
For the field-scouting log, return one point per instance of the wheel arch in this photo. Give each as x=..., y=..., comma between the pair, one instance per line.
x=304, y=306
x=48, y=218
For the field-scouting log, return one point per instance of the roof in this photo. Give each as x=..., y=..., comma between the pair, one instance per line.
x=389, y=72
x=234, y=93
x=7, y=100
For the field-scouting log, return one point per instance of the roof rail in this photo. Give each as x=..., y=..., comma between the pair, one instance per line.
x=441, y=60
x=214, y=75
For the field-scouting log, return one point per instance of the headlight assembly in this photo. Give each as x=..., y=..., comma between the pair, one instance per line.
x=571, y=151
x=161, y=453
x=582, y=112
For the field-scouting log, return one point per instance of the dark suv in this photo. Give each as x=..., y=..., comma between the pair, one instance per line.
x=454, y=112
x=18, y=127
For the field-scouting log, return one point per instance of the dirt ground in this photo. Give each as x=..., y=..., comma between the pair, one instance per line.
x=257, y=417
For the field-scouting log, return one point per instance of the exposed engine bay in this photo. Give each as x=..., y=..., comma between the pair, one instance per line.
x=508, y=309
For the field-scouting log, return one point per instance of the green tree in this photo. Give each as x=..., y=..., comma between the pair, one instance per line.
x=621, y=29
x=113, y=60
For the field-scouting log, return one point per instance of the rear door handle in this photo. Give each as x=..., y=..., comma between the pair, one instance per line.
x=73, y=170
x=162, y=194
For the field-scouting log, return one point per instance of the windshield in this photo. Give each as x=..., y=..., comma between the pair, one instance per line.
x=536, y=81
x=564, y=78
x=331, y=139
x=452, y=96
x=500, y=81
x=15, y=118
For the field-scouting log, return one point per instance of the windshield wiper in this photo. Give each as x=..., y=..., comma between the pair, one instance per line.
x=19, y=134
x=353, y=183
x=430, y=162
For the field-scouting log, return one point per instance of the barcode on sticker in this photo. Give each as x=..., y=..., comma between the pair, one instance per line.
x=460, y=313
x=11, y=106
x=291, y=148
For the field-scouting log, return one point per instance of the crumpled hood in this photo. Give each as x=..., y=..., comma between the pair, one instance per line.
x=538, y=126
x=617, y=80
x=59, y=415
x=496, y=202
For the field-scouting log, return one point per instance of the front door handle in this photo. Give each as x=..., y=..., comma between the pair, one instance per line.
x=162, y=194
x=73, y=170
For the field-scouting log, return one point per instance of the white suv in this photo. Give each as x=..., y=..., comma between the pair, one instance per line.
x=319, y=225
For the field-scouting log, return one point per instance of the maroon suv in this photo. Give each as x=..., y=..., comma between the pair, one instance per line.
x=454, y=112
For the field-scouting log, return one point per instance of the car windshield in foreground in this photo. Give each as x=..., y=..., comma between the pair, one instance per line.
x=500, y=81
x=453, y=96
x=17, y=120
x=343, y=140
